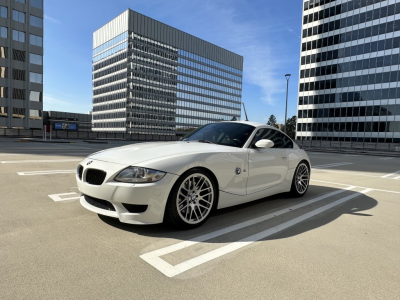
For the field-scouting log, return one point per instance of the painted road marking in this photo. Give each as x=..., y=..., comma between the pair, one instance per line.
x=331, y=165
x=32, y=173
x=355, y=186
x=353, y=174
x=60, y=197
x=154, y=257
x=391, y=174
x=37, y=161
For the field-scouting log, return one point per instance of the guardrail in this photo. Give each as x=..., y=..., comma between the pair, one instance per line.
x=390, y=148
x=84, y=135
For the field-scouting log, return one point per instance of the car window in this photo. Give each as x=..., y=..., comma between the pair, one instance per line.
x=227, y=134
x=280, y=140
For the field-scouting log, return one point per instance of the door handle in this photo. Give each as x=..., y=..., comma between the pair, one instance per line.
x=284, y=157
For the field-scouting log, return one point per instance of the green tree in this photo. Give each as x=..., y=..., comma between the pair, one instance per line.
x=272, y=121
x=291, y=127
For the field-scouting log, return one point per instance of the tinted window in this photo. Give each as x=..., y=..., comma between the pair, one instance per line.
x=227, y=134
x=280, y=140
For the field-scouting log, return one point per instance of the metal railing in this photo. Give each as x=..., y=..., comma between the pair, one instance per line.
x=390, y=148
x=84, y=135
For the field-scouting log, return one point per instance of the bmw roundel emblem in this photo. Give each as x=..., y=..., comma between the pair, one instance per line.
x=89, y=162
x=238, y=171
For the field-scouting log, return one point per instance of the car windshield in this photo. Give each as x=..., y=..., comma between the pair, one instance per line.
x=227, y=134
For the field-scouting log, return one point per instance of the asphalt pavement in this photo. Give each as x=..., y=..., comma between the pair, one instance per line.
x=340, y=241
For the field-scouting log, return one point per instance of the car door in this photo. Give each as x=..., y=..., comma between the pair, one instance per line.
x=267, y=166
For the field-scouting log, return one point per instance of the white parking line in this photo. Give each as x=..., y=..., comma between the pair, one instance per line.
x=331, y=165
x=154, y=257
x=37, y=161
x=32, y=173
x=388, y=175
x=60, y=197
x=355, y=186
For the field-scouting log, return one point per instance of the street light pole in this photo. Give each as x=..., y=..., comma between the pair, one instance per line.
x=287, y=76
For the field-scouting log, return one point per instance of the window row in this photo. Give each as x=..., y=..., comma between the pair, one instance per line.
x=143, y=106
x=367, y=95
x=352, y=35
x=390, y=139
x=367, y=79
x=351, y=111
x=112, y=97
x=393, y=43
x=153, y=79
x=204, y=115
x=110, y=61
x=189, y=88
x=338, y=9
x=153, y=51
x=153, y=43
x=208, y=77
x=110, y=88
x=204, y=68
x=34, y=3
x=209, y=85
x=19, y=113
x=110, y=79
x=20, y=36
x=208, y=61
x=160, y=73
x=110, y=52
x=151, y=99
x=199, y=122
x=393, y=126
x=153, y=61
x=19, y=16
x=111, y=124
x=204, y=106
x=152, y=90
x=364, y=64
x=112, y=42
x=384, y=11
x=20, y=94
x=208, y=100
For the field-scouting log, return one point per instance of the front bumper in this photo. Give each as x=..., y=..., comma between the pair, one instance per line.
x=153, y=195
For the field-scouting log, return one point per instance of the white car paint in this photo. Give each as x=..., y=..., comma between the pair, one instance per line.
x=264, y=172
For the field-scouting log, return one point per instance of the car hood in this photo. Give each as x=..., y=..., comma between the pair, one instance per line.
x=139, y=153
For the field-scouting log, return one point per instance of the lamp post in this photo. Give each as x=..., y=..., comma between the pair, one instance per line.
x=287, y=76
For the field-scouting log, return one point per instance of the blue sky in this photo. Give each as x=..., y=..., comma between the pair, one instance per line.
x=265, y=32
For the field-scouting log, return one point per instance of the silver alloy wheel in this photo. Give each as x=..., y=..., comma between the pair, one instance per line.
x=302, y=178
x=195, y=198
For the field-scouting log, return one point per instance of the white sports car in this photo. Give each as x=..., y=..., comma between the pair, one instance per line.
x=215, y=166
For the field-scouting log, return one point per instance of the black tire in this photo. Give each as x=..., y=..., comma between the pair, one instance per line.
x=297, y=189
x=193, y=204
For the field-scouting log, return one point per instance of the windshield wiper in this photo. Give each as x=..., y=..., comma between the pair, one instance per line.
x=206, y=141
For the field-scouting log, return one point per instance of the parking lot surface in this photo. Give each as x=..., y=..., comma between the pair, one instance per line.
x=340, y=241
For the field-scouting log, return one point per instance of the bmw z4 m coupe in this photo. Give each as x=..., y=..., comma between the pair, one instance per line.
x=215, y=166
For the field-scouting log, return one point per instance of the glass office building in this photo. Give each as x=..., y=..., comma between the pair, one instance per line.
x=150, y=78
x=349, y=86
x=21, y=64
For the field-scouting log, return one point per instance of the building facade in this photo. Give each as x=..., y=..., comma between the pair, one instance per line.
x=21, y=63
x=349, y=87
x=150, y=78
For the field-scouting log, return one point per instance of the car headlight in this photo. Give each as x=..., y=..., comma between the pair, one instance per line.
x=139, y=175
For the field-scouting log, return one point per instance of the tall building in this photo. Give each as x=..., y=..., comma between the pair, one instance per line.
x=21, y=63
x=349, y=86
x=150, y=78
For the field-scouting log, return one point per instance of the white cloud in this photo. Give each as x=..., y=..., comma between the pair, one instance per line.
x=46, y=17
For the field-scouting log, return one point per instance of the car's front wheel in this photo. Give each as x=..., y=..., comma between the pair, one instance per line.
x=191, y=200
x=301, y=180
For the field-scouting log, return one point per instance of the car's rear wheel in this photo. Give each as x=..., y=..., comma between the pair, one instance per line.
x=191, y=200
x=301, y=180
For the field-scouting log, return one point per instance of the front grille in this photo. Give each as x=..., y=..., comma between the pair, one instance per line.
x=103, y=204
x=95, y=177
x=135, y=208
x=80, y=171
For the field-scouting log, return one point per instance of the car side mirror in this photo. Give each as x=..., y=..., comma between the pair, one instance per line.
x=264, y=144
